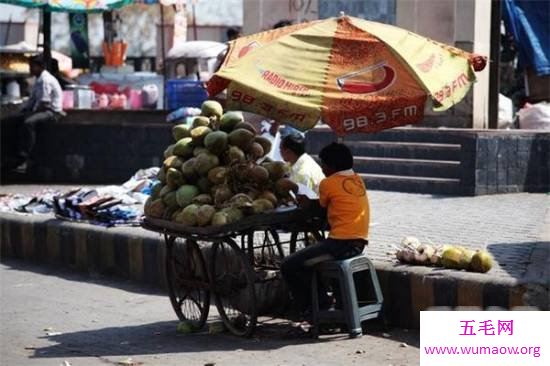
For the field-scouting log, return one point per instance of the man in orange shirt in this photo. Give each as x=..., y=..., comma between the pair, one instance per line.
x=344, y=196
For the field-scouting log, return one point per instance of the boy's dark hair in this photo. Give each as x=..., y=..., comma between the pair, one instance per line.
x=38, y=60
x=295, y=143
x=337, y=156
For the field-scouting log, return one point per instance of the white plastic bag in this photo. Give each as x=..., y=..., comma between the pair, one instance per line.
x=535, y=117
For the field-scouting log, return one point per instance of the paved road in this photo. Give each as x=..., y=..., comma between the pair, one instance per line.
x=101, y=322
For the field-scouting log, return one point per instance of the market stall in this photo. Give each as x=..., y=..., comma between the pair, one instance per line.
x=354, y=75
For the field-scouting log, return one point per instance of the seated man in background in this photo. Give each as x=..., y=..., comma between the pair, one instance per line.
x=304, y=169
x=44, y=105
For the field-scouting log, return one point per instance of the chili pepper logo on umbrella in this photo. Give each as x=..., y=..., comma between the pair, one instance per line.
x=355, y=82
x=249, y=47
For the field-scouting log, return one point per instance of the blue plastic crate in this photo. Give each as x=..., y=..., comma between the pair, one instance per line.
x=185, y=93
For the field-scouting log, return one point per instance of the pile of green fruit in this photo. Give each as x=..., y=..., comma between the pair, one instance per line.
x=217, y=172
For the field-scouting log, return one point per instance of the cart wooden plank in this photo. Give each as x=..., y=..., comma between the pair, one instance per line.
x=278, y=218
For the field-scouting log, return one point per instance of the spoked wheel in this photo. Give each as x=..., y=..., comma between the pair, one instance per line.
x=301, y=239
x=188, y=284
x=233, y=285
x=264, y=249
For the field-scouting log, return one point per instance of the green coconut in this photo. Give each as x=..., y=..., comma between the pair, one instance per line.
x=258, y=174
x=155, y=190
x=218, y=175
x=189, y=215
x=205, y=162
x=204, y=185
x=256, y=151
x=216, y=142
x=188, y=169
x=186, y=327
x=161, y=175
x=241, y=138
x=240, y=200
x=156, y=209
x=242, y=172
x=452, y=258
x=262, y=205
x=165, y=190
x=211, y=108
x=203, y=199
x=176, y=214
x=169, y=199
x=185, y=194
x=268, y=195
x=173, y=161
x=171, y=212
x=198, y=134
x=246, y=126
x=276, y=169
x=229, y=120
x=200, y=121
x=184, y=147
x=205, y=214
x=169, y=151
x=147, y=205
x=264, y=141
x=220, y=218
x=174, y=178
x=199, y=150
x=235, y=154
x=481, y=262
x=467, y=255
x=234, y=214
x=180, y=131
x=284, y=185
x=222, y=194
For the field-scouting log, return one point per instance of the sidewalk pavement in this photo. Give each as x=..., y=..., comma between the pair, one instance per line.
x=514, y=228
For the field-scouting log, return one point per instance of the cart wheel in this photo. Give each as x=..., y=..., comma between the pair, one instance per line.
x=187, y=277
x=233, y=284
x=264, y=248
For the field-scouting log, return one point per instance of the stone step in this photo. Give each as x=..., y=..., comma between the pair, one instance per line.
x=410, y=150
x=323, y=135
x=407, y=167
x=430, y=185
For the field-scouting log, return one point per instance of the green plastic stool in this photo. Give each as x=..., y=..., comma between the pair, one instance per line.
x=350, y=275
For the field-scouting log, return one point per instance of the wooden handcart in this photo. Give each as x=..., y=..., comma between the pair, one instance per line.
x=207, y=262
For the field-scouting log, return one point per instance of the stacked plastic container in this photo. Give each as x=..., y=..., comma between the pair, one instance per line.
x=185, y=93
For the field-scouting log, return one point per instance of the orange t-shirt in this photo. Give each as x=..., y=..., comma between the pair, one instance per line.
x=345, y=197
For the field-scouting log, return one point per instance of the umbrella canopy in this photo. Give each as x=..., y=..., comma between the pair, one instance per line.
x=73, y=6
x=355, y=75
x=196, y=49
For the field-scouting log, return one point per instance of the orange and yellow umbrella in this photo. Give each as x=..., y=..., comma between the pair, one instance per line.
x=355, y=75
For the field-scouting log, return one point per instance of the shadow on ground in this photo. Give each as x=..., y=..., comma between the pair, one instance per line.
x=162, y=338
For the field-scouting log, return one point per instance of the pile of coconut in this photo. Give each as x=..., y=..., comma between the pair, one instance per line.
x=447, y=256
x=217, y=172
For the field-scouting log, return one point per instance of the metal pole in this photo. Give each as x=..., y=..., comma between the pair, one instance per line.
x=47, y=31
x=7, y=36
x=494, y=65
x=164, y=68
x=194, y=23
